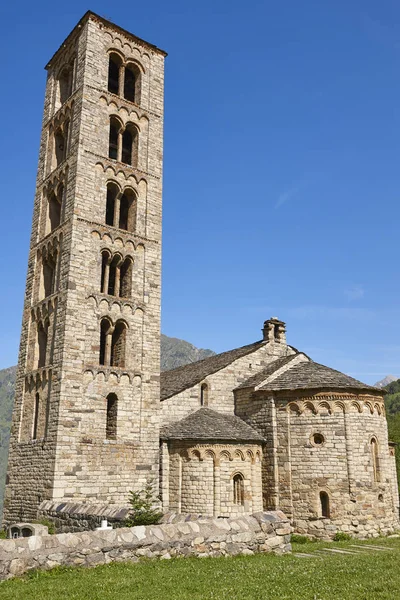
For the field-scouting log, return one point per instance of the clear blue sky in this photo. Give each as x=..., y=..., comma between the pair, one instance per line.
x=281, y=173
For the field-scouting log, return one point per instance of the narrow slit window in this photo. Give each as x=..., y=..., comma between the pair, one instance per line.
x=375, y=460
x=36, y=410
x=204, y=394
x=324, y=501
x=238, y=489
x=112, y=411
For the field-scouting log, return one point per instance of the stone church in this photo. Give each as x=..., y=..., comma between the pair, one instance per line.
x=259, y=427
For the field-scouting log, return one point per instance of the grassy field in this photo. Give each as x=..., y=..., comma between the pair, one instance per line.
x=371, y=576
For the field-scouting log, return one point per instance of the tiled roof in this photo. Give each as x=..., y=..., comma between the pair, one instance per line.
x=310, y=375
x=207, y=424
x=176, y=380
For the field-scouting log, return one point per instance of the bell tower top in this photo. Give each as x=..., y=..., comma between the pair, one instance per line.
x=90, y=15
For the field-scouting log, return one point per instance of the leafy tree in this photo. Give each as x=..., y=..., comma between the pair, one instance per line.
x=143, y=511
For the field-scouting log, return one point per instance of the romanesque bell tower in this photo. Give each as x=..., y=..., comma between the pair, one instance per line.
x=86, y=414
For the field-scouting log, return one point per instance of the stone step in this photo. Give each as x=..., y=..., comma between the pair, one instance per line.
x=370, y=547
x=336, y=551
x=304, y=554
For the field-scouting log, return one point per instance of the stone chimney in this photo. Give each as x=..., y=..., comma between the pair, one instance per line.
x=274, y=331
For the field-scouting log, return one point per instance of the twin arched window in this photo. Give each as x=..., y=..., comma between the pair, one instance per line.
x=123, y=142
x=124, y=79
x=112, y=343
x=121, y=208
x=116, y=275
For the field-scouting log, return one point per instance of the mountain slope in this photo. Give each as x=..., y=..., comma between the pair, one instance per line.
x=385, y=381
x=174, y=353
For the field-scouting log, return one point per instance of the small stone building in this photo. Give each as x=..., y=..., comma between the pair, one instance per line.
x=326, y=458
x=211, y=464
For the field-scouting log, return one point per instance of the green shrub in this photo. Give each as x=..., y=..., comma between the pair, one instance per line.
x=299, y=539
x=341, y=536
x=3, y=534
x=143, y=511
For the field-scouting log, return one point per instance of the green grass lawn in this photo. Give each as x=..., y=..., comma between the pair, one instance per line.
x=373, y=576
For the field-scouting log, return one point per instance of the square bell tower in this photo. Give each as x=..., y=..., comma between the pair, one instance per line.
x=86, y=413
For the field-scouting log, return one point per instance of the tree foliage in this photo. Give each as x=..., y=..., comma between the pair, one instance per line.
x=143, y=510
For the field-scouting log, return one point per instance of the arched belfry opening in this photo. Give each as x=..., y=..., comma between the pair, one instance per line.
x=114, y=72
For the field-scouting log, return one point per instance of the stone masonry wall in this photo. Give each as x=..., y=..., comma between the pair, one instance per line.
x=181, y=536
x=199, y=478
x=297, y=468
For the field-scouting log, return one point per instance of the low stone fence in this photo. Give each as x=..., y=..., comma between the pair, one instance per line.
x=74, y=516
x=261, y=532
x=358, y=527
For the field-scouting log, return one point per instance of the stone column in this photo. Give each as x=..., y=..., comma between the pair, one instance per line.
x=179, y=503
x=119, y=148
x=349, y=457
x=117, y=207
x=217, y=488
x=117, y=280
x=121, y=81
x=107, y=354
x=106, y=277
x=165, y=476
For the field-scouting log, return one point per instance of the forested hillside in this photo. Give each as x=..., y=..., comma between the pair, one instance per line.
x=7, y=382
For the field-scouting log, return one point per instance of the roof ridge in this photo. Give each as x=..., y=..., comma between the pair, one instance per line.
x=209, y=358
x=278, y=372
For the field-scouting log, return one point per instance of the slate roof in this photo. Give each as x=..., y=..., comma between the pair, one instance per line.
x=309, y=375
x=207, y=424
x=179, y=379
x=269, y=370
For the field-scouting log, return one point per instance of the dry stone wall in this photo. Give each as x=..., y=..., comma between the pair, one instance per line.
x=180, y=536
